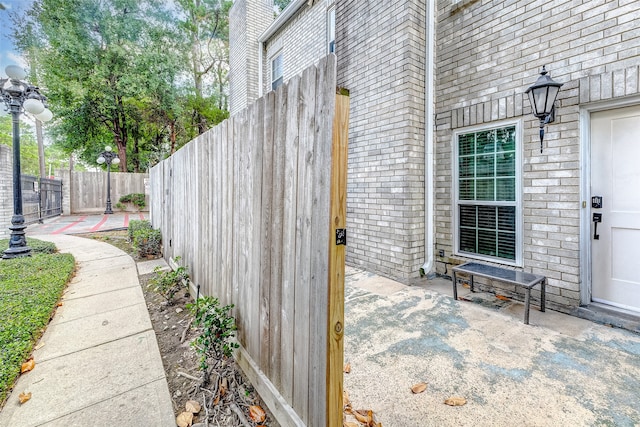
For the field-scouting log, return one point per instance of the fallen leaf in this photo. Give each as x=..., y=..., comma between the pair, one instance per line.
x=257, y=414
x=364, y=416
x=419, y=388
x=60, y=304
x=24, y=397
x=223, y=386
x=502, y=297
x=39, y=346
x=27, y=366
x=216, y=400
x=184, y=419
x=347, y=368
x=350, y=424
x=192, y=406
x=455, y=401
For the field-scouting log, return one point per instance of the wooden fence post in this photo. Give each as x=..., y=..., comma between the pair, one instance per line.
x=337, y=249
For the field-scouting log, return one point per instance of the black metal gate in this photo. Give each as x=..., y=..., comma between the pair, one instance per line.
x=41, y=198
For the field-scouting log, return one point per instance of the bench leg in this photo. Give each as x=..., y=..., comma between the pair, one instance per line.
x=471, y=282
x=527, y=299
x=543, y=295
x=455, y=286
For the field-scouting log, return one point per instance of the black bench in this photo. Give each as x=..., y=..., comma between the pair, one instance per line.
x=519, y=278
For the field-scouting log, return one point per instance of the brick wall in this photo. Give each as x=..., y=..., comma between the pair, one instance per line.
x=248, y=19
x=488, y=53
x=6, y=190
x=302, y=42
x=380, y=45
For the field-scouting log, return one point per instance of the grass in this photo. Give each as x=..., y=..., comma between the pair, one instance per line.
x=30, y=288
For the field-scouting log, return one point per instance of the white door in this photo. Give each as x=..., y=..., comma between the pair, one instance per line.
x=615, y=175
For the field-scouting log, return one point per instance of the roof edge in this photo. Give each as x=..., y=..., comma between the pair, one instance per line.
x=282, y=19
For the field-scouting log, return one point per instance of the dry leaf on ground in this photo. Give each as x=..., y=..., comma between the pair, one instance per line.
x=60, y=304
x=418, y=388
x=455, y=401
x=503, y=298
x=185, y=419
x=24, y=397
x=257, y=414
x=192, y=406
x=350, y=424
x=364, y=416
x=347, y=368
x=223, y=386
x=27, y=366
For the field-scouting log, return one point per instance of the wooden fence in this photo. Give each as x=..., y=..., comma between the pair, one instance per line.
x=252, y=207
x=86, y=192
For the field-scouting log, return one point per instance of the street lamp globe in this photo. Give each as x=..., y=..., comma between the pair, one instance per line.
x=15, y=72
x=33, y=106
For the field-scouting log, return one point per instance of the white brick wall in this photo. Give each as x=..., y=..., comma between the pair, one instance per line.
x=489, y=52
x=381, y=57
x=302, y=41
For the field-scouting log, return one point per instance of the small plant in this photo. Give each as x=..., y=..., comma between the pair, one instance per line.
x=147, y=242
x=218, y=332
x=136, y=199
x=120, y=206
x=169, y=283
x=135, y=225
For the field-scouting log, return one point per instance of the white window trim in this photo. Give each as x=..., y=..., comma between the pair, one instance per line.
x=519, y=193
x=329, y=10
x=273, y=58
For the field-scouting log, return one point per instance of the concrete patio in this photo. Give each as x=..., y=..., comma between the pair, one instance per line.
x=558, y=371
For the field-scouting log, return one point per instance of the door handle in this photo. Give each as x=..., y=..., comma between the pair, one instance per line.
x=597, y=217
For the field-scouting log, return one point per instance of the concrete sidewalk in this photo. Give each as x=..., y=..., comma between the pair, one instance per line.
x=85, y=223
x=98, y=363
x=558, y=371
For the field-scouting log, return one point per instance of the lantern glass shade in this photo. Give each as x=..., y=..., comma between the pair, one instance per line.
x=116, y=161
x=15, y=72
x=101, y=160
x=107, y=148
x=45, y=115
x=33, y=106
x=542, y=94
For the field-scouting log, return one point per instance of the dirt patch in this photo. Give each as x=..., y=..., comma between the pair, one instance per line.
x=227, y=398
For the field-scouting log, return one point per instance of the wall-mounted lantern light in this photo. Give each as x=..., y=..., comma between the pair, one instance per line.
x=542, y=96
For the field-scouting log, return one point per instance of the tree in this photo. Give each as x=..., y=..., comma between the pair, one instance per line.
x=101, y=64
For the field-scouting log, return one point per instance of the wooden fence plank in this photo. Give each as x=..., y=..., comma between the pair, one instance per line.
x=289, y=239
x=306, y=131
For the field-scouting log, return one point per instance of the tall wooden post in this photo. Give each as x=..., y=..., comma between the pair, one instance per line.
x=337, y=249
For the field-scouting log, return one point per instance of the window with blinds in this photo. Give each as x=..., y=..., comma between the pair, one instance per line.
x=486, y=204
x=276, y=72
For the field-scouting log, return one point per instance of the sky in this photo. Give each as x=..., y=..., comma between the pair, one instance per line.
x=8, y=55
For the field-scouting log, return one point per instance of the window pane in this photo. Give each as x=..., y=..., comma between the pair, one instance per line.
x=506, y=164
x=506, y=139
x=487, y=217
x=507, y=218
x=465, y=144
x=468, y=216
x=468, y=240
x=487, y=242
x=467, y=189
x=485, y=165
x=465, y=167
x=506, y=189
x=485, y=189
x=507, y=245
x=485, y=142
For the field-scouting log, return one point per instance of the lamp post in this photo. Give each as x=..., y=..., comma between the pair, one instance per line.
x=19, y=96
x=108, y=157
x=542, y=96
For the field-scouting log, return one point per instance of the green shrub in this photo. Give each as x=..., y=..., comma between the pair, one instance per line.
x=37, y=246
x=147, y=241
x=169, y=283
x=135, y=225
x=120, y=206
x=137, y=199
x=30, y=287
x=218, y=332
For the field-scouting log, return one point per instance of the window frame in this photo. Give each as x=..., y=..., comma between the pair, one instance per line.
x=275, y=83
x=331, y=36
x=456, y=202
